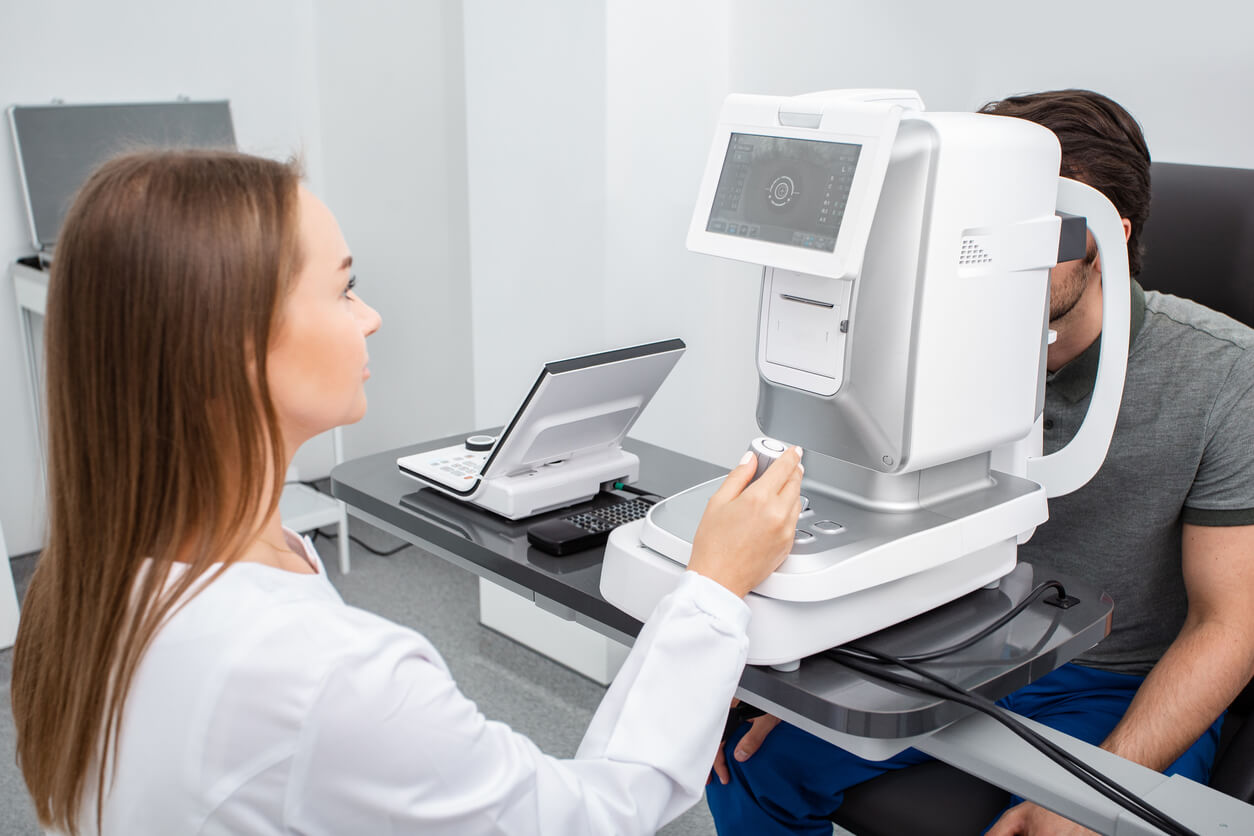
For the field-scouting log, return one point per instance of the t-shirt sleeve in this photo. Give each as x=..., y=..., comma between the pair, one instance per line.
x=1223, y=489
x=392, y=746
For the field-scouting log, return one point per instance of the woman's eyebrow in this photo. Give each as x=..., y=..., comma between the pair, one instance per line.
x=347, y=262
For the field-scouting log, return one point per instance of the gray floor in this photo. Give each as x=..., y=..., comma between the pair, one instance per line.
x=547, y=702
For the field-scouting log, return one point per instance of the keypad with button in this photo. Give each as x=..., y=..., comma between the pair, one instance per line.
x=611, y=516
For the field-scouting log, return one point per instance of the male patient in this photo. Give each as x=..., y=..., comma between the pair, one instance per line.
x=1166, y=527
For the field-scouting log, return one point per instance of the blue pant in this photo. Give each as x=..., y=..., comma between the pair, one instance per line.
x=796, y=781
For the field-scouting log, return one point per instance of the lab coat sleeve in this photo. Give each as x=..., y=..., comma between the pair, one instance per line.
x=391, y=746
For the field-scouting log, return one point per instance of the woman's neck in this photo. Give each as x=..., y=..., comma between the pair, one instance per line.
x=271, y=548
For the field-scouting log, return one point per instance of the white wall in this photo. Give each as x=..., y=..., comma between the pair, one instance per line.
x=390, y=87
x=535, y=134
x=369, y=94
x=668, y=71
x=1184, y=70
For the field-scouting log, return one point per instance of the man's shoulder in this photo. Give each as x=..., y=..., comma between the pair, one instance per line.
x=1176, y=318
x=1193, y=359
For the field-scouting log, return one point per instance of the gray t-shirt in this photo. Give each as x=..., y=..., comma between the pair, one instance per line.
x=1183, y=451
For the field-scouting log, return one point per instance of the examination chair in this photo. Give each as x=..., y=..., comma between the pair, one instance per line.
x=1199, y=244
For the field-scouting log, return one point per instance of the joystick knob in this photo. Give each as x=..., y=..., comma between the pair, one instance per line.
x=479, y=443
x=767, y=450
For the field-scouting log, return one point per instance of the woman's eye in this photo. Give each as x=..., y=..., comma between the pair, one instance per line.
x=352, y=283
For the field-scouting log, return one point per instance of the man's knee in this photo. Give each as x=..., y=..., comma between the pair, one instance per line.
x=770, y=791
x=792, y=784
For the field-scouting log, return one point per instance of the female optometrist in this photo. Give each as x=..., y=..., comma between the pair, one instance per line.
x=183, y=664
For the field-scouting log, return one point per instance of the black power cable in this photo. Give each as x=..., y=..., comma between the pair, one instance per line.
x=388, y=553
x=944, y=689
x=1010, y=615
x=317, y=532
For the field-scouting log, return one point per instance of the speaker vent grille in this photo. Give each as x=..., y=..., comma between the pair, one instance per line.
x=973, y=253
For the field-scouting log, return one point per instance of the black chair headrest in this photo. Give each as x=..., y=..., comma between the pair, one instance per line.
x=1199, y=239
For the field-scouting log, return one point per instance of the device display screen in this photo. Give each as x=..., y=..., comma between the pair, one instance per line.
x=784, y=190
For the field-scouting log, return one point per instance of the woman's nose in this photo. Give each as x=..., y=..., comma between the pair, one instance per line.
x=370, y=320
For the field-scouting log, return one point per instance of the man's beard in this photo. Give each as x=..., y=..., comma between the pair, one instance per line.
x=1060, y=305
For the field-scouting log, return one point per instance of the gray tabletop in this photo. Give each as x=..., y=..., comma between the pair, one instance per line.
x=824, y=692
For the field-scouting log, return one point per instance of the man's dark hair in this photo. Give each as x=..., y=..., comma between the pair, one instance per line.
x=1102, y=146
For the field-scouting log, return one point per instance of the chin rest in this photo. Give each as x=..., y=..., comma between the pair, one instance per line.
x=1199, y=244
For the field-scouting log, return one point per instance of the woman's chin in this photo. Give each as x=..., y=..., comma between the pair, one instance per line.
x=358, y=412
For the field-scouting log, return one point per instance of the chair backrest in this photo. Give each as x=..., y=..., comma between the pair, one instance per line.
x=1199, y=239
x=1199, y=244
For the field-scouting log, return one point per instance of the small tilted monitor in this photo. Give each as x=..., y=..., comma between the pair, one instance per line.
x=784, y=190
x=795, y=193
x=576, y=407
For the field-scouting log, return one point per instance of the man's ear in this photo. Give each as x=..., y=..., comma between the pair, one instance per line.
x=1127, y=233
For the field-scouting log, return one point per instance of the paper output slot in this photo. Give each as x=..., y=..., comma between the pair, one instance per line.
x=805, y=301
x=804, y=334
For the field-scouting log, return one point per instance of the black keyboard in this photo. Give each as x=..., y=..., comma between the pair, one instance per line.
x=585, y=529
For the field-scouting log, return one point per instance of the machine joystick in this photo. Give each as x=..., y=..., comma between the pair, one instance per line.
x=479, y=443
x=767, y=450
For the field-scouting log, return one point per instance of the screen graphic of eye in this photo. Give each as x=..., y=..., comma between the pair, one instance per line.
x=781, y=191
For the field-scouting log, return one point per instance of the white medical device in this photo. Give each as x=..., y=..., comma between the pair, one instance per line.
x=565, y=440
x=901, y=341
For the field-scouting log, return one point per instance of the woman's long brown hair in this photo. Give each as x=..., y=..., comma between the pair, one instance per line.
x=163, y=442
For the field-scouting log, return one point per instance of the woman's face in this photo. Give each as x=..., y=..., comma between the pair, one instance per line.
x=317, y=361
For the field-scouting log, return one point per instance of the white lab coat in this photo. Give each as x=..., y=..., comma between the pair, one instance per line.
x=267, y=705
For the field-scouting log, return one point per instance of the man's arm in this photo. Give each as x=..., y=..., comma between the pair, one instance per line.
x=1200, y=674
x=1210, y=660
